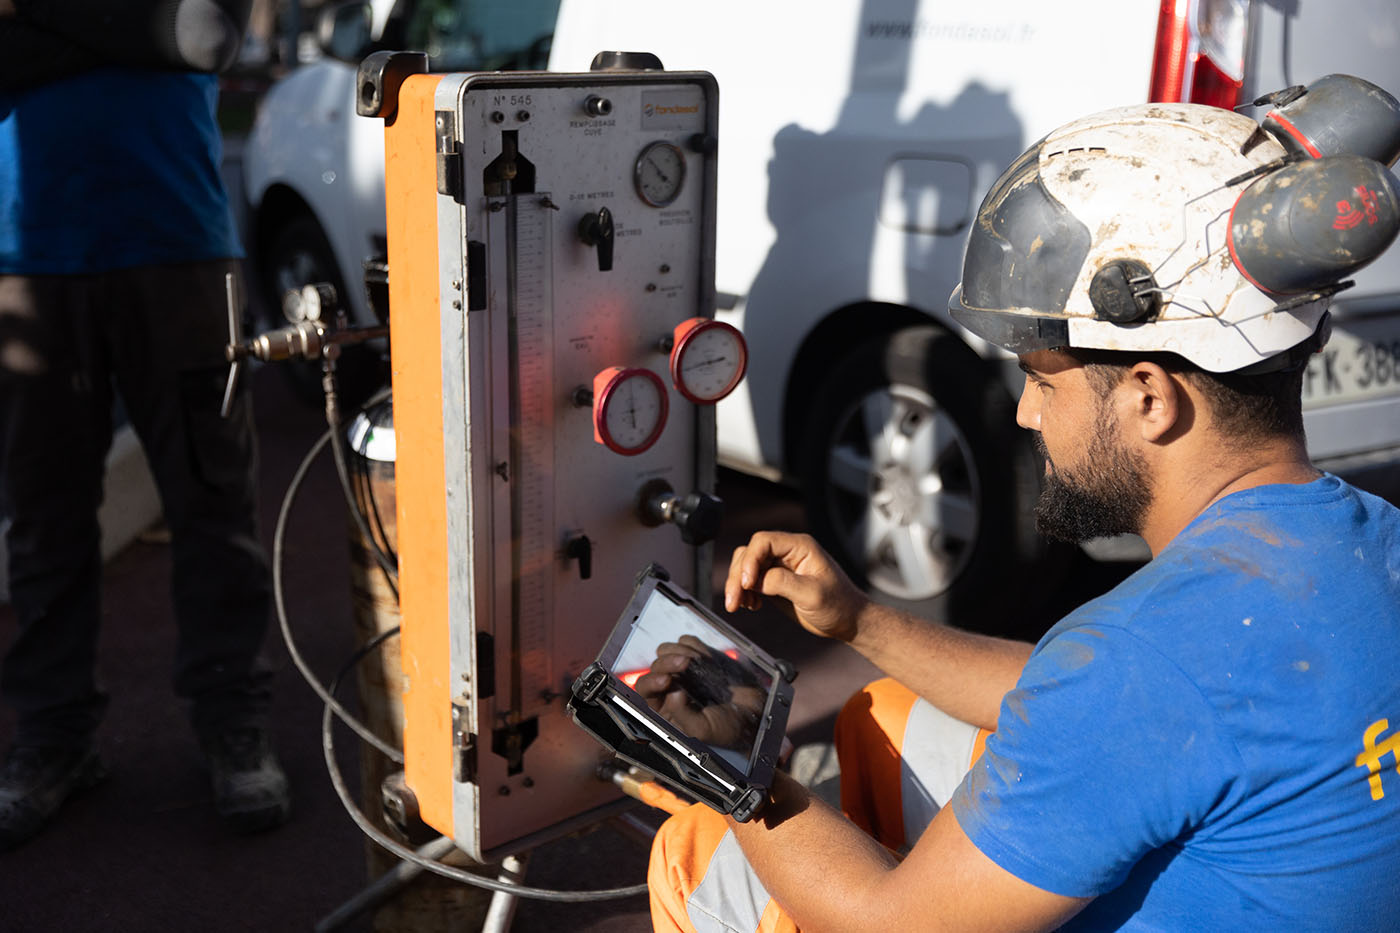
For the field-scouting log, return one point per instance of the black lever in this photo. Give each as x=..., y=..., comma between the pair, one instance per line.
x=235, y=343
x=597, y=230
x=581, y=549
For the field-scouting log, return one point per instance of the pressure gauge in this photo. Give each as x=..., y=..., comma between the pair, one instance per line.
x=708, y=358
x=629, y=409
x=659, y=173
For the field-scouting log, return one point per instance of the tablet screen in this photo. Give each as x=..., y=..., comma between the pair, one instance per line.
x=695, y=676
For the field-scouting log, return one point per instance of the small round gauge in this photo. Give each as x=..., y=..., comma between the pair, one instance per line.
x=659, y=173
x=708, y=359
x=629, y=409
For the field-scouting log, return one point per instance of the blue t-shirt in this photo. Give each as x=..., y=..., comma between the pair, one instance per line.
x=1214, y=743
x=111, y=169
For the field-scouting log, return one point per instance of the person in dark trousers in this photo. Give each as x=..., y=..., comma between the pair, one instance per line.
x=115, y=242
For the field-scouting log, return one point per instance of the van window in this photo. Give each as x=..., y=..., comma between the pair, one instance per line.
x=482, y=35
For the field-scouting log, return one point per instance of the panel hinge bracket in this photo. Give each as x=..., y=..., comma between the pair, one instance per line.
x=449, y=155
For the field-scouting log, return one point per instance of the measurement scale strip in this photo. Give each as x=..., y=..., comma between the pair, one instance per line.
x=533, y=538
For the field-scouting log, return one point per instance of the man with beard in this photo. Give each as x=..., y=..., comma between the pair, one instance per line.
x=1207, y=746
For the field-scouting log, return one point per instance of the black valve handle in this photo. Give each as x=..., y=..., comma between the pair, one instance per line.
x=597, y=230
x=698, y=515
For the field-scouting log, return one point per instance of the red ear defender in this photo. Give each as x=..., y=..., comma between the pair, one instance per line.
x=1334, y=115
x=1310, y=224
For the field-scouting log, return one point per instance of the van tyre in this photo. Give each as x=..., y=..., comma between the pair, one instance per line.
x=298, y=254
x=918, y=480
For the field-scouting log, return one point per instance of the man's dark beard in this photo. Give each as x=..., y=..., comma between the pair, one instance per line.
x=1108, y=495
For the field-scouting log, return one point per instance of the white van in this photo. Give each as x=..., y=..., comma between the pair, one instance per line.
x=856, y=141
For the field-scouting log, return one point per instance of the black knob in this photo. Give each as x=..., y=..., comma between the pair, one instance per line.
x=703, y=143
x=597, y=230
x=625, y=61
x=698, y=516
x=581, y=549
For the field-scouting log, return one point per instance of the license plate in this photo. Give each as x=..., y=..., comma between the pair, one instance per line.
x=1361, y=361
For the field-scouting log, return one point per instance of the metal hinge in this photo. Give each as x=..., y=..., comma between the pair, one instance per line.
x=449, y=155
x=463, y=743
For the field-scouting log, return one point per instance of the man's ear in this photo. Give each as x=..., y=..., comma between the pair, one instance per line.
x=1156, y=401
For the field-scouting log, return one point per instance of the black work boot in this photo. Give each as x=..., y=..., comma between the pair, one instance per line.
x=251, y=793
x=34, y=783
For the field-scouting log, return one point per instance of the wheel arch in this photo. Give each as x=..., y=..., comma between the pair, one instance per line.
x=280, y=205
x=997, y=457
x=826, y=343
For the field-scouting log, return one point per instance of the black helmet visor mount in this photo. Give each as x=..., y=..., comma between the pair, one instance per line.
x=1024, y=253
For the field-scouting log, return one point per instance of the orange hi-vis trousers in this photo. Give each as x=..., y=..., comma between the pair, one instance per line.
x=901, y=758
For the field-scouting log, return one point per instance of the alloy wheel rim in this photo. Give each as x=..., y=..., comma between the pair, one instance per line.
x=903, y=492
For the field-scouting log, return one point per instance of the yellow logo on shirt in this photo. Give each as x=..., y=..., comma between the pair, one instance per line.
x=1370, y=759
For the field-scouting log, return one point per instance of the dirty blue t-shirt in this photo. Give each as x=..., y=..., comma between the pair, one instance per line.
x=1214, y=743
x=111, y=169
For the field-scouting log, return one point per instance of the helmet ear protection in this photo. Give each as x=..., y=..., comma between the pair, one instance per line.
x=1332, y=208
x=1310, y=224
x=1335, y=115
x=1307, y=221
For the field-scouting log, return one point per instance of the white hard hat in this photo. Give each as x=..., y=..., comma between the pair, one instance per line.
x=1174, y=227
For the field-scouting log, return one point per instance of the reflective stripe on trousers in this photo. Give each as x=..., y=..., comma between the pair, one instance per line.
x=901, y=758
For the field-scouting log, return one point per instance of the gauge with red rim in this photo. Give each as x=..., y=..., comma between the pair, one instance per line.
x=629, y=409
x=708, y=359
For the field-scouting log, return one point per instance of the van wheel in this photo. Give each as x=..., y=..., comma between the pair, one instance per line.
x=917, y=479
x=298, y=254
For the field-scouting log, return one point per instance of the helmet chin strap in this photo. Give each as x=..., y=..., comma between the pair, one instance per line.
x=1297, y=356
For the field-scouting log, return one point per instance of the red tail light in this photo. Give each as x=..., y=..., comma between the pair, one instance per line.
x=1199, y=54
x=1169, y=62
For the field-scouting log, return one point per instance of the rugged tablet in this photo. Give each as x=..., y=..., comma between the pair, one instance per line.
x=678, y=692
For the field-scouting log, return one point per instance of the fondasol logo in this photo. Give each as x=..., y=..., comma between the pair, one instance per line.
x=670, y=110
x=653, y=109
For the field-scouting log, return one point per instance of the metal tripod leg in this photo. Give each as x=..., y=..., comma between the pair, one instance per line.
x=502, y=910
x=384, y=887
